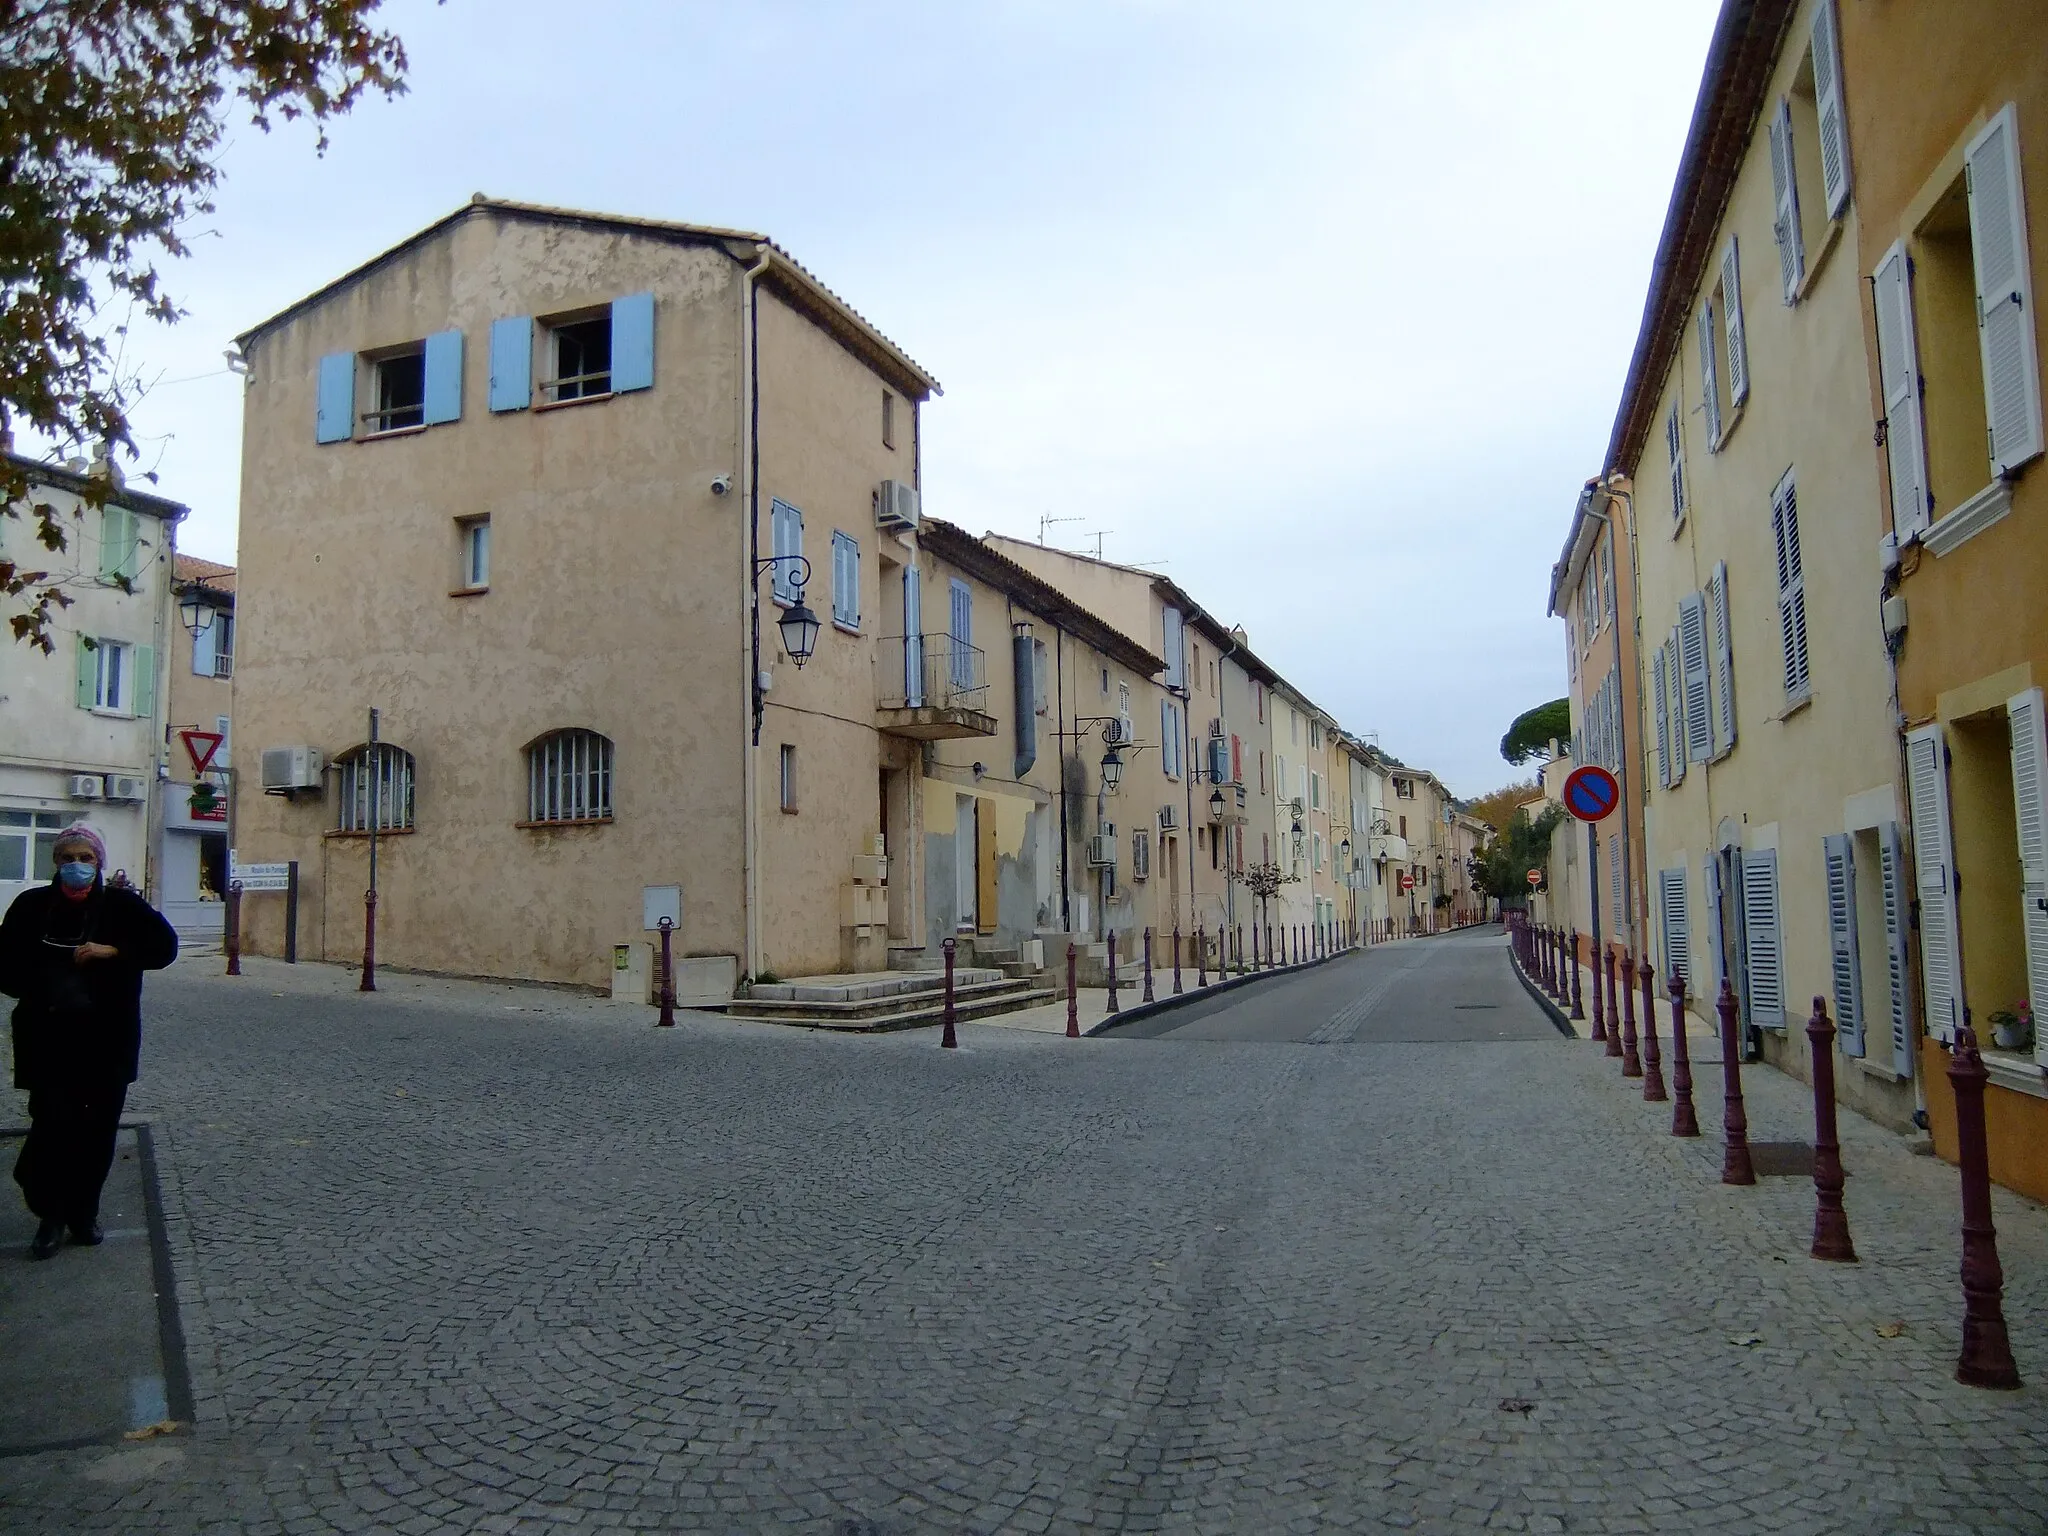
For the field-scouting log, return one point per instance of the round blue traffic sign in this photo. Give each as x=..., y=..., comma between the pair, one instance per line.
x=1591, y=793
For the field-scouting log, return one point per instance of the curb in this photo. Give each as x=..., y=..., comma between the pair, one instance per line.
x=1543, y=999
x=1168, y=1003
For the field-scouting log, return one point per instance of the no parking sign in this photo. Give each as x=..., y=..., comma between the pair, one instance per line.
x=1591, y=793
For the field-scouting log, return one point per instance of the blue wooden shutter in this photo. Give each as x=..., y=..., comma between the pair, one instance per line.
x=786, y=535
x=1171, y=647
x=1838, y=853
x=845, y=581
x=962, y=633
x=335, y=417
x=444, y=378
x=1898, y=904
x=512, y=363
x=632, y=343
x=202, y=650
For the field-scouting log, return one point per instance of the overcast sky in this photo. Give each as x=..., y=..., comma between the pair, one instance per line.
x=1324, y=306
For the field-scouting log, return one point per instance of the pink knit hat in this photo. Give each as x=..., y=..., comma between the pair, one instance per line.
x=79, y=832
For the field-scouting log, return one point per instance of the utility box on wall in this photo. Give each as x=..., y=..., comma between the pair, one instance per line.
x=633, y=973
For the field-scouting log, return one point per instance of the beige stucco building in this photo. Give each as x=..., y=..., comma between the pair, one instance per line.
x=514, y=484
x=81, y=726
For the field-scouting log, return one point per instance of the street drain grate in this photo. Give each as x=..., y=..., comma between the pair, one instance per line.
x=1781, y=1159
x=1475, y=1005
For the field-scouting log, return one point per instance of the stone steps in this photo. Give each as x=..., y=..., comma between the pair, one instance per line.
x=900, y=1000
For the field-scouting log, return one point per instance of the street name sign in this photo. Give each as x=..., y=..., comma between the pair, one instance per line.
x=1591, y=793
x=261, y=877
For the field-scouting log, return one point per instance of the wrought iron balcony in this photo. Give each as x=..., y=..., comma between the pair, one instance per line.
x=932, y=687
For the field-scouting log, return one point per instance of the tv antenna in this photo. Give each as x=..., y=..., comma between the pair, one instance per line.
x=1046, y=520
x=1097, y=537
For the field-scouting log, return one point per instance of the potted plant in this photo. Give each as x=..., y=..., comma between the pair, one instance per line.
x=2012, y=1029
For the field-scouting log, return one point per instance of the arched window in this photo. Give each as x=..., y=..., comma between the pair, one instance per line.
x=381, y=774
x=569, y=777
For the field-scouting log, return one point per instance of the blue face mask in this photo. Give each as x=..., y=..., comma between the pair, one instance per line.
x=77, y=876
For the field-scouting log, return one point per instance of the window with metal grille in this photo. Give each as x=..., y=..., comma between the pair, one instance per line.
x=569, y=777
x=376, y=789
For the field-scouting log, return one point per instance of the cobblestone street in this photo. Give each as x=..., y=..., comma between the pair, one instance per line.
x=448, y=1267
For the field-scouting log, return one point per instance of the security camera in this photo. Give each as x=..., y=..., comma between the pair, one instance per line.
x=720, y=484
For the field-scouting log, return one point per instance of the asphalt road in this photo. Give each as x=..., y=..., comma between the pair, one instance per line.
x=1441, y=990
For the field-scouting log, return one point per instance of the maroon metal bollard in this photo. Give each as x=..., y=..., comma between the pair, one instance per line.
x=1112, y=972
x=1986, y=1359
x=1830, y=1221
x=1560, y=983
x=1736, y=1167
x=1073, y=998
x=232, y=935
x=1147, y=997
x=1176, y=959
x=667, y=1020
x=1631, y=1063
x=947, y=1038
x=1653, y=1057
x=1605, y=1015
x=1578, y=999
x=1240, y=946
x=1271, y=964
x=369, y=980
x=1684, y=1122
x=1201, y=956
x=1255, y=951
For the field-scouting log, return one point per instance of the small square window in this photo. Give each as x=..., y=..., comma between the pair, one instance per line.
x=474, y=541
x=583, y=359
x=401, y=387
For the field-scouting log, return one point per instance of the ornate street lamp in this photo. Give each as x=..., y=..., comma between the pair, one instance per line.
x=799, y=628
x=1215, y=805
x=1112, y=770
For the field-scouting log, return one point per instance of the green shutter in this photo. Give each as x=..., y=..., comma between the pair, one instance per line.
x=87, y=668
x=145, y=681
x=117, y=542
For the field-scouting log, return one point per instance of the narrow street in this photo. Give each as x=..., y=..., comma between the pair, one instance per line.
x=489, y=1259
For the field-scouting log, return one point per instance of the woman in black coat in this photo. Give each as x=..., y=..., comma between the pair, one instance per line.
x=73, y=952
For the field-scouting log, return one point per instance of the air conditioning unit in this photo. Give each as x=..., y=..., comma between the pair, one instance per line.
x=1116, y=732
x=1169, y=818
x=1215, y=727
x=86, y=786
x=896, y=505
x=126, y=786
x=1102, y=850
x=291, y=768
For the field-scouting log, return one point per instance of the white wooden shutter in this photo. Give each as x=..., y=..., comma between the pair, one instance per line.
x=1724, y=658
x=1716, y=966
x=1898, y=920
x=2030, y=805
x=2005, y=302
x=913, y=636
x=1692, y=649
x=1791, y=587
x=1785, y=188
x=1676, y=928
x=1839, y=854
x=1674, y=444
x=1710, y=386
x=1675, y=667
x=1898, y=358
x=1663, y=712
x=1941, y=981
x=1731, y=311
x=1763, y=938
x=1834, y=124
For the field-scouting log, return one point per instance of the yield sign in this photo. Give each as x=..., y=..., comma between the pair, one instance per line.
x=200, y=747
